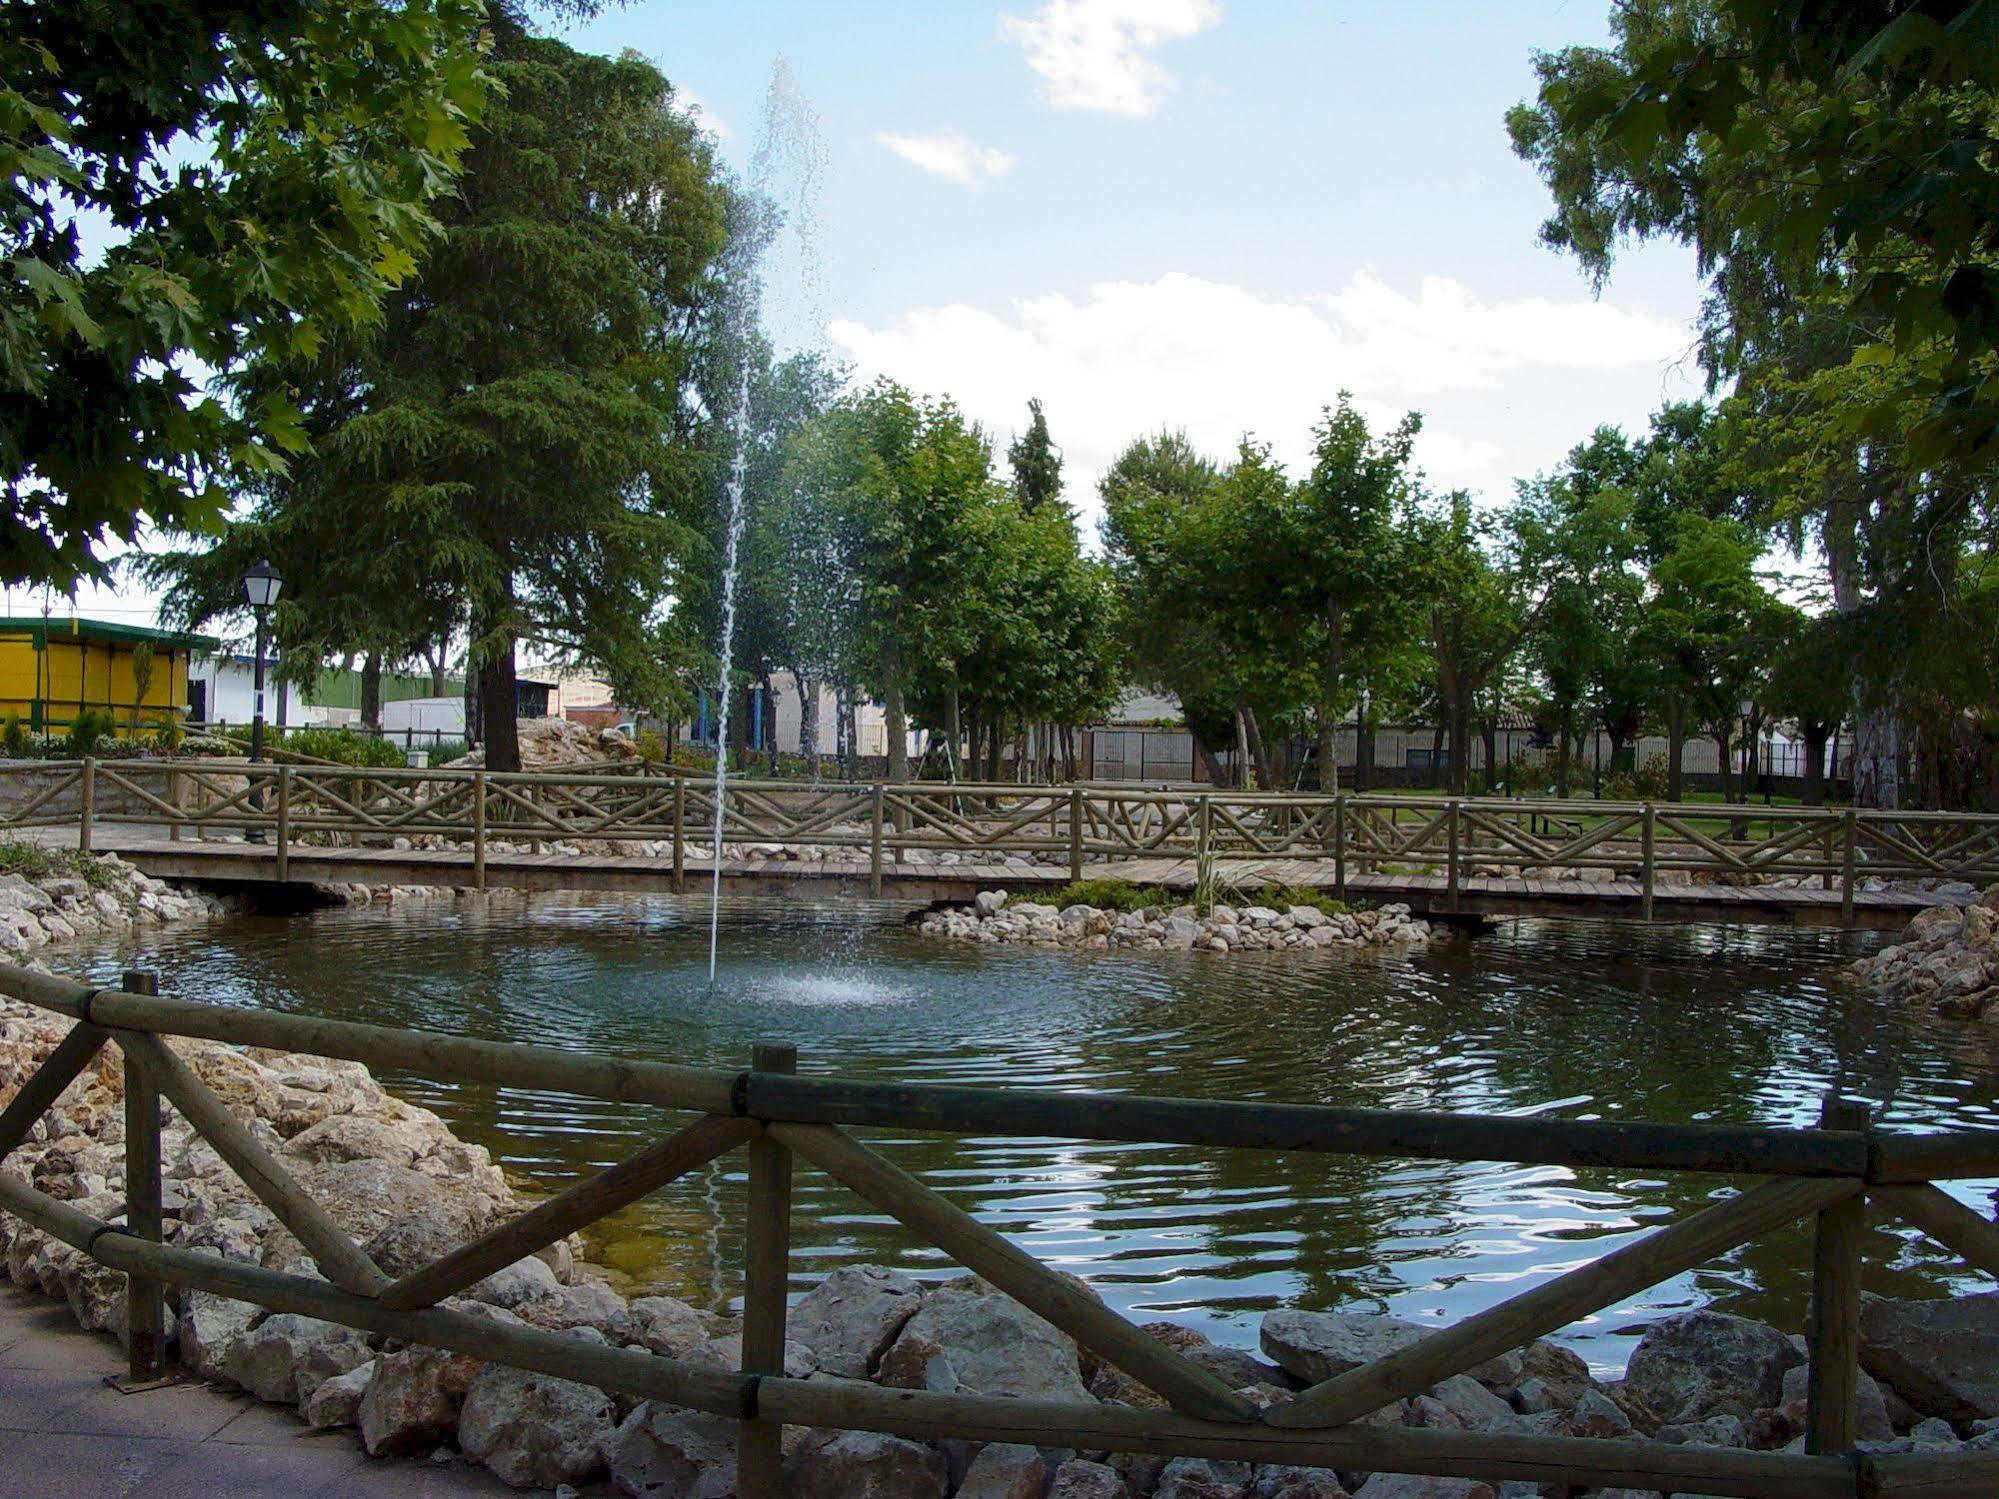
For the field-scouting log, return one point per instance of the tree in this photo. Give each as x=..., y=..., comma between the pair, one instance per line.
x=1036, y=463
x=899, y=482
x=517, y=425
x=1322, y=567
x=1843, y=150
x=262, y=173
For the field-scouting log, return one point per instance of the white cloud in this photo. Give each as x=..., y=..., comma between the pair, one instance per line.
x=1094, y=54
x=691, y=104
x=947, y=154
x=1506, y=387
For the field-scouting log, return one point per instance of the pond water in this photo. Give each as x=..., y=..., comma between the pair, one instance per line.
x=1577, y=1020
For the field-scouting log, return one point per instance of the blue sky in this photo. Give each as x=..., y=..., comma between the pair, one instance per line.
x=1209, y=214
x=1206, y=213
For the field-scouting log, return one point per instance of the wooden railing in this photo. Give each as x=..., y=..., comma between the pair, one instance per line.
x=784, y=1119
x=1455, y=837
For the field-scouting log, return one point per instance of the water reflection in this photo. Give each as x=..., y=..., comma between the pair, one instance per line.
x=1578, y=1020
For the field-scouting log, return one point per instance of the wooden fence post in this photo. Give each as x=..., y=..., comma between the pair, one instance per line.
x=766, y=1284
x=85, y=796
x=1451, y=864
x=680, y=834
x=479, y=830
x=1849, y=862
x=284, y=830
x=145, y=1311
x=1340, y=847
x=875, y=845
x=1075, y=834
x=1649, y=858
x=1832, y=1334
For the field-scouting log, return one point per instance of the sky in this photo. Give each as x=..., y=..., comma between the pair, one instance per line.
x=1205, y=214
x=1209, y=214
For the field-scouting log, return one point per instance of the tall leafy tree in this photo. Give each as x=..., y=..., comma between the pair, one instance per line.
x=515, y=430
x=188, y=187
x=1036, y=463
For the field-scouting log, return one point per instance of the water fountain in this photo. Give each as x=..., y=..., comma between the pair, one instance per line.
x=785, y=172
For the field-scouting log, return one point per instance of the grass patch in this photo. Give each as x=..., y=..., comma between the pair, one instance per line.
x=1284, y=897
x=31, y=861
x=1105, y=895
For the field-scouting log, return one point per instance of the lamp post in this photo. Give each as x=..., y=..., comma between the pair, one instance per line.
x=261, y=585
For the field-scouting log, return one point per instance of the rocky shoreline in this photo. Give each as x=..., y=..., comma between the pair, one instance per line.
x=995, y=918
x=404, y=1186
x=1947, y=960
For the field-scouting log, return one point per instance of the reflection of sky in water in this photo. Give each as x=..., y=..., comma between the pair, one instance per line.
x=1574, y=1020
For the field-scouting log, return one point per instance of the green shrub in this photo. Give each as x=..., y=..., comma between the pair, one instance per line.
x=18, y=743
x=169, y=736
x=444, y=751
x=33, y=862
x=1106, y=895
x=1528, y=777
x=87, y=730
x=1645, y=784
x=1284, y=897
x=345, y=747
x=652, y=746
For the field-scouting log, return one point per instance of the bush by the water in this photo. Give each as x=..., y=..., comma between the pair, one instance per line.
x=1106, y=895
x=33, y=862
x=345, y=747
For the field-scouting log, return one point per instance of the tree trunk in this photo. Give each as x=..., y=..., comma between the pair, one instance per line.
x=1460, y=744
x=846, y=732
x=1562, y=761
x=439, y=658
x=995, y=744
x=1440, y=771
x=499, y=709
x=371, y=691
x=1069, y=751
x=1489, y=732
x=1363, y=754
x=770, y=727
x=475, y=730
x=1752, y=753
x=1876, y=760
x=1329, y=764
x=1676, y=748
x=1722, y=744
x=1242, y=766
x=808, y=721
x=1266, y=771
x=1815, y=735
x=953, y=727
x=975, y=743
x=896, y=723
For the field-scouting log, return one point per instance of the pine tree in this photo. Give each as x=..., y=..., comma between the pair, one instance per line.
x=1037, y=463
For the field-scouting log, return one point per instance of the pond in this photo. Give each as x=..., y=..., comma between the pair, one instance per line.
x=1576, y=1020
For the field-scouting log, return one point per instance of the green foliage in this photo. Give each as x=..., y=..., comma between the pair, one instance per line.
x=1036, y=463
x=1528, y=778
x=170, y=735
x=510, y=452
x=344, y=747
x=1105, y=895
x=1645, y=784
x=652, y=747
x=1284, y=897
x=1847, y=150
x=17, y=743
x=264, y=172
x=32, y=861
x=87, y=731
x=444, y=751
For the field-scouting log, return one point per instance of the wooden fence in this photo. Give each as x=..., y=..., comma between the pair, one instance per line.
x=1456, y=837
x=786, y=1120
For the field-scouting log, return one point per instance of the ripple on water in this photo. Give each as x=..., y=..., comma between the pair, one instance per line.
x=1569, y=1020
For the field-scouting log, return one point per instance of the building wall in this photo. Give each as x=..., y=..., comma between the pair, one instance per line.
x=44, y=688
x=231, y=695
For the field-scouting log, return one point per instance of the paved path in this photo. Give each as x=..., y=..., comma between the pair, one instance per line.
x=65, y=1434
x=234, y=861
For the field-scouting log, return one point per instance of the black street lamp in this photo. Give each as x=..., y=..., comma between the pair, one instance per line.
x=261, y=585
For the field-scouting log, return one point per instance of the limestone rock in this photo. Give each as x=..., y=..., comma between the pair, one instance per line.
x=1410, y=1486
x=1704, y=1363
x=852, y=1316
x=286, y=1357
x=969, y=1338
x=1940, y=1356
x=1597, y=1415
x=412, y=1403
x=1317, y=1345
x=661, y=1451
x=1005, y=1470
x=672, y=1329
x=1203, y=1478
x=337, y=1402
x=534, y=1430
x=1871, y=1422
x=208, y=1325
x=1286, y=1482
x=352, y=1137
x=863, y=1465
x=1472, y=1403
x=1081, y=1479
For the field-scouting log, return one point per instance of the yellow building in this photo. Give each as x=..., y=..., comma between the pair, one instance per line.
x=51, y=669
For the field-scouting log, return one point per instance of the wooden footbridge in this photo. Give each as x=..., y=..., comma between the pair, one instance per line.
x=651, y=830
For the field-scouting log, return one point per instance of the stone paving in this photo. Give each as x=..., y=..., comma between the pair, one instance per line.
x=65, y=1434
